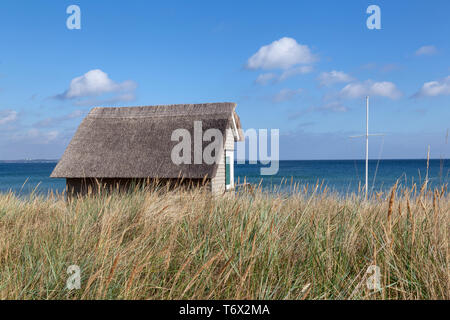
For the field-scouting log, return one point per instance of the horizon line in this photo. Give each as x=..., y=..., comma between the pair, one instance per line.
x=246, y=160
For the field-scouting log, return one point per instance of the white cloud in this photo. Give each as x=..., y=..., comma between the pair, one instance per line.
x=75, y=114
x=265, y=78
x=51, y=136
x=332, y=77
x=435, y=88
x=48, y=122
x=281, y=54
x=426, y=51
x=96, y=83
x=35, y=136
x=385, y=89
x=369, y=88
x=286, y=94
x=122, y=97
x=7, y=116
x=295, y=71
x=332, y=107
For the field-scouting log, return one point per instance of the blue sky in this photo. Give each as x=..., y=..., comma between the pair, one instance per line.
x=303, y=67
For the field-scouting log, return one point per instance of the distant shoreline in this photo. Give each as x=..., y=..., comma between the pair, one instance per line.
x=29, y=161
x=389, y=159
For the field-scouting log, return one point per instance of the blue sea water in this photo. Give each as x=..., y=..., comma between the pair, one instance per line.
x=346, y=176
x=342, y=176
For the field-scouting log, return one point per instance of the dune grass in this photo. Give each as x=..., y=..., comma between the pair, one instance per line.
x=187, y=244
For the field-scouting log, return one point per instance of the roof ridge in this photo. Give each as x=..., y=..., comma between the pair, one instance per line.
x=218, y=109
x=166, y=105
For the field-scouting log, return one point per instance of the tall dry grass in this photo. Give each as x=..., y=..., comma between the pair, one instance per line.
x=183, y=244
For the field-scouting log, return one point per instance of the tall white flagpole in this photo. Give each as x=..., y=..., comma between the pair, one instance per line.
x=366, y=186
x=367, y=146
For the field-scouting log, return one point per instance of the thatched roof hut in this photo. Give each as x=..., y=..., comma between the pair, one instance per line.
x=131, y=143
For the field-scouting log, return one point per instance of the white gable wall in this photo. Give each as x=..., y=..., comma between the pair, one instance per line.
x=218, y=182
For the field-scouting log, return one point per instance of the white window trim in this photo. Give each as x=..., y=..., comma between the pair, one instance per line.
x=230, y=154
x=235, y=129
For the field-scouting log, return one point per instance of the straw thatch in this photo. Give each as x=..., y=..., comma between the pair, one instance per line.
x=135, y=142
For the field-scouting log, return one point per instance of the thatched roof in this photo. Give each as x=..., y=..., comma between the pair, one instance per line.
x=135, y=142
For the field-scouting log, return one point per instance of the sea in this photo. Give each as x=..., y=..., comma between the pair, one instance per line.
x=341, y=176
